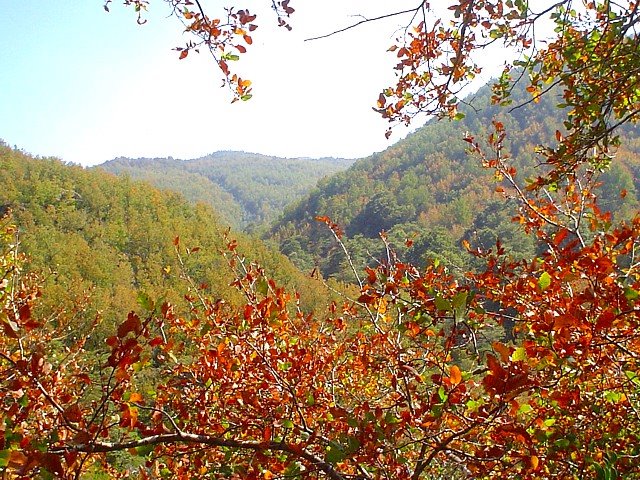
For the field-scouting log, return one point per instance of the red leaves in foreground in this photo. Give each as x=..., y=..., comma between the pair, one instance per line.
x=404, y=384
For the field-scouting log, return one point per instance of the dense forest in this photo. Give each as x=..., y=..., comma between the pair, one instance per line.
x=428, y=189
x=108, y=241
x=246, y=189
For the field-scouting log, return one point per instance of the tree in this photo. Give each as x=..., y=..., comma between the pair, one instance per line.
x=409, y=379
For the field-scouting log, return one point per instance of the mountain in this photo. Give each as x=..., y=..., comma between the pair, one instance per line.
x=106, y=242
x=244, y=188
x=429, y=190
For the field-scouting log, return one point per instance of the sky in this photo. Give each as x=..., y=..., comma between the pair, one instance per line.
x=87, y=86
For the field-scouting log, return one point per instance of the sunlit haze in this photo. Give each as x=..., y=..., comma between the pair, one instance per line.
x=87, y=86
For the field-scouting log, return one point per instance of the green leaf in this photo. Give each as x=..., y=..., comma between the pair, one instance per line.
x=311, y=401
x=442, y=394
x=544, y=281
x=633, y=376
x=459, y=116
x=473, y=405
x=631, y=294
x=262, y=287
x=612, y=397
x=352, y=445
x=459, y=304
x=335, y=454
x=519, y=355
x=286, y=423
x=4, y=458
x=442, y=304
x=145, y=302
x=144, y=450
x=525, y=408
x=293, y=469
x=391, y=418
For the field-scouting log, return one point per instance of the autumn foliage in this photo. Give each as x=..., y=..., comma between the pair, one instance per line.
x=526, y=368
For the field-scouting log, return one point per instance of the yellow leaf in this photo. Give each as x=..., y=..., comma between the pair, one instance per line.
x=535, y=461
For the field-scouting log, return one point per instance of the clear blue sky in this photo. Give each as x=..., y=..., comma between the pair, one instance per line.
x=87, y=86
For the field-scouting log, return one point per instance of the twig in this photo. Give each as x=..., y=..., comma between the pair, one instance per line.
x=366, y=20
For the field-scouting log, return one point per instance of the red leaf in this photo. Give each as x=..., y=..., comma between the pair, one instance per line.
x=132, y=324
x=560, y=236
x=224, y=67
x=25, y=313
x=156, y=341
x=371, y=275
x=605, y=320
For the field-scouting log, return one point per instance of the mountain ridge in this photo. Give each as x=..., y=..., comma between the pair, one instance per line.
x=245, y=188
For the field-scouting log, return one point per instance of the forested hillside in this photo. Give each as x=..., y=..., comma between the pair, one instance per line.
x=244, y=188
x=428, y=189
x=111, y=239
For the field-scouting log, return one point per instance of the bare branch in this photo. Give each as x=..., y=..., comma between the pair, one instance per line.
x=368, y=20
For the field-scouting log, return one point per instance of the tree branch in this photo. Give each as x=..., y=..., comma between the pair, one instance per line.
x=192, y=438
x=366, y=20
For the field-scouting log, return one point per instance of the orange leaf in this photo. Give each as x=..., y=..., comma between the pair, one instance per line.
x=535, y=461
x=183, y=54
x=135, y=397
x=503, y=350
x=455, y=375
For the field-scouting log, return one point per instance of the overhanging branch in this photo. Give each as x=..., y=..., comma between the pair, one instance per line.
x=367, y=20
x=192, y=438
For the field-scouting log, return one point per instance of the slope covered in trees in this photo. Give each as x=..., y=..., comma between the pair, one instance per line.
x=109, y=239
x=408, y=380
x=244, y=188
x=427, y=188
